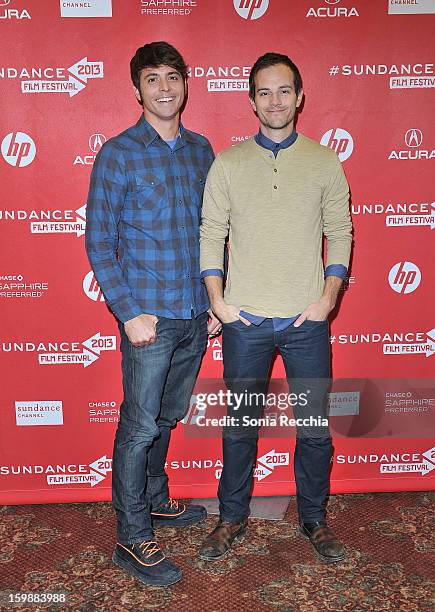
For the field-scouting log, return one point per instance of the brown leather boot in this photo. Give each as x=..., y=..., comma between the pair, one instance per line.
x=326, y=544
x=219, y=541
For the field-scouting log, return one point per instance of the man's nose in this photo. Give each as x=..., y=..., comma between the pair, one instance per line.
x=275, y=99
x=164, y=84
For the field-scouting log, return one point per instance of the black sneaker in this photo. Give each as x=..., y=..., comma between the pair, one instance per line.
x=146, y=562
x=176, y=514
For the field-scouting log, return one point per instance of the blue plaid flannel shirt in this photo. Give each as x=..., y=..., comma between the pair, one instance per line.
x=143, y=216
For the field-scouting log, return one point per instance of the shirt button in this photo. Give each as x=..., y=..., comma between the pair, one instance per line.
x=275, y=170
x=275, y=187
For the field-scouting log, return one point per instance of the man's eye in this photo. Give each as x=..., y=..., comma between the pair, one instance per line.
x=174, y=77
x=285, y=91
x=151, y=80
x=264, y=93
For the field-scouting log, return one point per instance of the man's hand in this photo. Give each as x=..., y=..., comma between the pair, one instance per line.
x=141, y=331
x=214, y=326
x=228, y=313
x=317, y=311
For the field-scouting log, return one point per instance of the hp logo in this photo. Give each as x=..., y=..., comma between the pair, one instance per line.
x=18, y=149
x=340, y=141
x=251, y=9
x=404, y=277
x=92, y=288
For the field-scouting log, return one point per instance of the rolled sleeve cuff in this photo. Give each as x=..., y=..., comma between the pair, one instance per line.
x=336, y=270
x=211, y=272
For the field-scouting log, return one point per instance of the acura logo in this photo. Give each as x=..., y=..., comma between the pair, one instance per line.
x=413, y=138
x=96, y=141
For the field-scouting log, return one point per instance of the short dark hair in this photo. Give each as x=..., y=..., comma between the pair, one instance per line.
x=272, y=59
x=155, y=54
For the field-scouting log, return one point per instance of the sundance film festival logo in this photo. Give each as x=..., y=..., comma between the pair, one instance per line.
x=215, y=346
x=95, y=143
x=51, y=79
x=340, y=141
x=92, y=288
x=251, y=9
x=266, y=464
x=18, y=149
x=223, y=78
x=91, y=8
x=393, y=343
x=12, y=13
x=399, y=462
x=65, y=353
x=332, y=10
x=420, y=75
x=178, y=8
x=404, y=277
x=413, y=139
x=64, y=474
x=413, y=214
x=50, y=221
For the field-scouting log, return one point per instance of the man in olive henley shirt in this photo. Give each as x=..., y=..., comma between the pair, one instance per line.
x=275, y=196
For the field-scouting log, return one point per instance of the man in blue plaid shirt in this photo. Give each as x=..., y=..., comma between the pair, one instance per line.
x=142, y=239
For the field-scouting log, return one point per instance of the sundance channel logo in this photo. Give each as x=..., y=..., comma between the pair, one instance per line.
x=90, y=8
x=45, y=412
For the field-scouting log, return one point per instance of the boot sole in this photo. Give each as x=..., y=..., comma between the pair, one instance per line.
x=130, y=569
x=237, y=539
x=159, y=522
x=319, y=555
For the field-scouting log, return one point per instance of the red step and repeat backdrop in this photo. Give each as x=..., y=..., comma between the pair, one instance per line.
x=369, y=78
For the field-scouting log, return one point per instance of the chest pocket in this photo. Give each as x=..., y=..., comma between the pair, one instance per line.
x=196, y=188
x=148, y=190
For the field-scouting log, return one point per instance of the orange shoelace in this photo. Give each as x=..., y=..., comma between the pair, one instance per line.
x=149, y=548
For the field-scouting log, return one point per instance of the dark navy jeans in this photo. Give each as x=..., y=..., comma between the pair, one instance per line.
x=247, y=355
x=158, y=381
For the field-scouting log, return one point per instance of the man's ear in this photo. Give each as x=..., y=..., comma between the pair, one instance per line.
x=137, y=94
x=299, y=98
x=253, y=105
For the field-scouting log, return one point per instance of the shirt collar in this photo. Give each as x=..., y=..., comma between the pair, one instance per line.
x=269, y=144
x=149, y=134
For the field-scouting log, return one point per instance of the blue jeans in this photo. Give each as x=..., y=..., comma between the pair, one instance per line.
x=247, y=355
x=158, y=381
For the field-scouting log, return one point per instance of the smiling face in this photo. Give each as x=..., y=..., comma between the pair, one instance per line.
x=162, y=92
x=275, y=101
